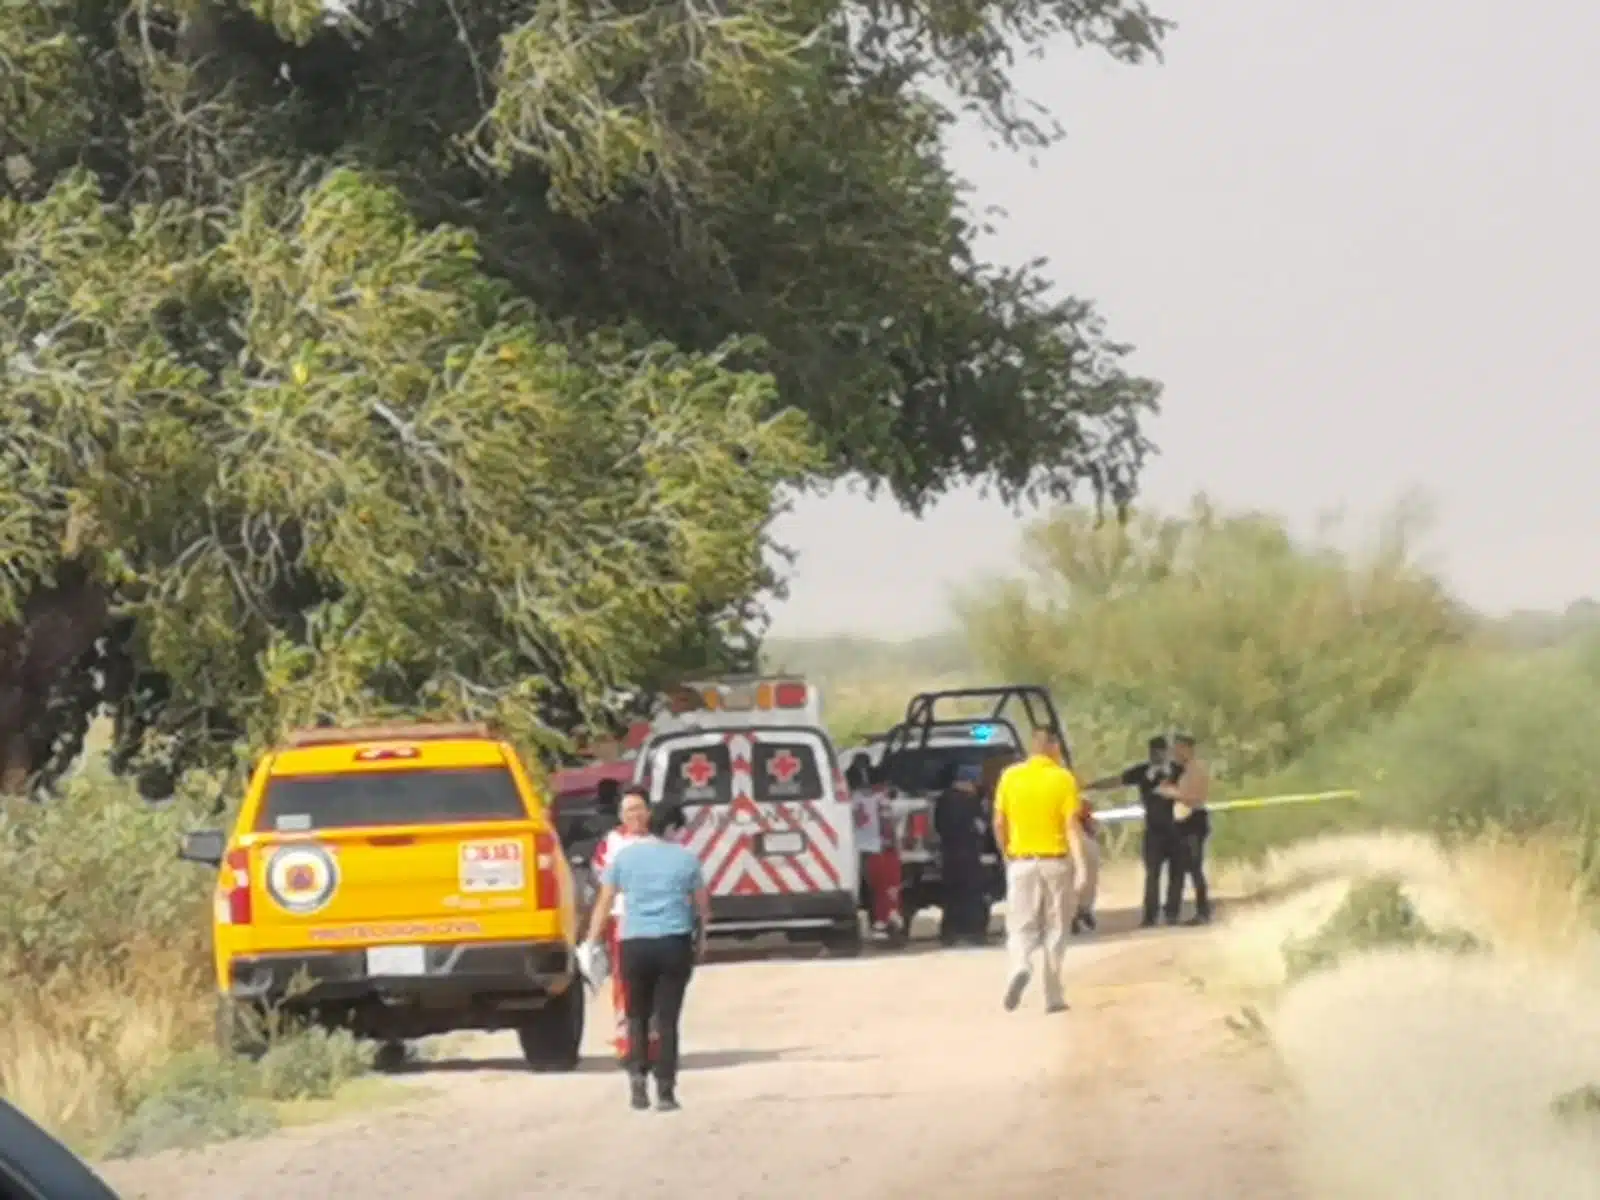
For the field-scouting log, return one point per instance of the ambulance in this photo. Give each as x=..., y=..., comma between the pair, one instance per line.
x=747, y=763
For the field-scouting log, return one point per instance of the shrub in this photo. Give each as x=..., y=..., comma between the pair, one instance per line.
x=107, y=1003
x=1262, y=645
x=1375, y=915
x=196, y=1098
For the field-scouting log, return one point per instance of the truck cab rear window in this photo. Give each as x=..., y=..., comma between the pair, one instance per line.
x=295, y=804
x=924, y=768
x=785, y=771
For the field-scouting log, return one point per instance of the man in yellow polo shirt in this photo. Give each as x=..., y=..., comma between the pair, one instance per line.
x=1035, y=824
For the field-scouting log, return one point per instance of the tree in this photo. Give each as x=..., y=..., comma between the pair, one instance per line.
x=1223, y=624
x=628, y=271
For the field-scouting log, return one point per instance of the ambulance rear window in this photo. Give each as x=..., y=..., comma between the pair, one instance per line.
x=303, y=803
x=698, y=775
x=785, y=771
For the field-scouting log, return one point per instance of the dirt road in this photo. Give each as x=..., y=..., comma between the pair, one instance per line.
x=881, y=1077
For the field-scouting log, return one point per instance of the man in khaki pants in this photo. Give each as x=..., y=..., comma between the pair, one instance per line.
x=1035, y=824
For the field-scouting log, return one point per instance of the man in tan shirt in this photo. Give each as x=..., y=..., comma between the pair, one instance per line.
x=1190, y=793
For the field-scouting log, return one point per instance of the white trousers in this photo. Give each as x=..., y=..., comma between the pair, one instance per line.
x=1089, y=885
x=1040, y=901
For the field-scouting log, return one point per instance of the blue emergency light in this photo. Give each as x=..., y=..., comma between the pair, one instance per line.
x=984, y=733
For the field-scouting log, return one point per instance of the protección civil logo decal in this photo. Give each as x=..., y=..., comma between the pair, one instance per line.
x=302, y=879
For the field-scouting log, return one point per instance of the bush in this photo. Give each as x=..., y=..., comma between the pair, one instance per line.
x=1375, y=915
x=1261, y=645
x=196, y=1098
x=107, y=1001
x=1489, y=742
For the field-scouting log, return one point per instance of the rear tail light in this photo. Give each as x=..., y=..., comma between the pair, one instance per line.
x=236, y=877
x=546, y=883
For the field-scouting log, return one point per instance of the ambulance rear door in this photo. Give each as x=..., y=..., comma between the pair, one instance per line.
x=768, y=816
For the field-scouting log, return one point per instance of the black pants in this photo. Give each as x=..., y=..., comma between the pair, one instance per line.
x=656, y=971
x=966, y=904
x=1192, y=835
x=1163, y=850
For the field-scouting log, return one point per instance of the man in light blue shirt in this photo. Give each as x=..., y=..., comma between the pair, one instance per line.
x=668, y=914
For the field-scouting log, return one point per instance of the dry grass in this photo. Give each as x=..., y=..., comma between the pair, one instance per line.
x=106, y=998
x=78, y=1050
x=1425, y=1075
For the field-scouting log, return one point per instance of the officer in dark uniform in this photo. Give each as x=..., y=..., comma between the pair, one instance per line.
x=1162, y=849
x=1190, y=792
x=959, y=820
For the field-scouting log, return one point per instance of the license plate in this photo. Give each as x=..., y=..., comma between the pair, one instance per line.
x=397, y=960
x=492, y=866
x=783, y=843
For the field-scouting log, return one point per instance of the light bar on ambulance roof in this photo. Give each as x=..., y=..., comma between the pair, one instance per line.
x=764, y=696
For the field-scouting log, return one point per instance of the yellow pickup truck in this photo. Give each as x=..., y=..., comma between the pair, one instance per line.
x=398, y=881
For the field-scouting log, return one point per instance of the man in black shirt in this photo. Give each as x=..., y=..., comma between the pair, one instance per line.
x=958, y=819
x=1161, y=846
x=1189, y=793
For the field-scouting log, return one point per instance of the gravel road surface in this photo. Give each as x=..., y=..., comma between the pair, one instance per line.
x=893, y=1075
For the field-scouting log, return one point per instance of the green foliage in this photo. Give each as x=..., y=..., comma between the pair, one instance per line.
x=453, y=358
x=328, y=466
x=1489, y=742
x=106, y=992
x=1580, y=1103
x=197, y=1098
x=310, y=1064
x=1375, y=915
x=92, y=878
x=1261, y=645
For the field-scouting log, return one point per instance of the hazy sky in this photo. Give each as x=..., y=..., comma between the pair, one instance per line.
x=1358, y=243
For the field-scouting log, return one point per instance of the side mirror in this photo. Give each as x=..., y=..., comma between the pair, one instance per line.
x=205, y=846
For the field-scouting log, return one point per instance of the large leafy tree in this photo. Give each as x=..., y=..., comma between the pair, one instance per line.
x=390, y=355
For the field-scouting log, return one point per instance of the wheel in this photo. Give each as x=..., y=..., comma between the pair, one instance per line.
x=241, y=1029
x=552, y=1038
x=391, y=1056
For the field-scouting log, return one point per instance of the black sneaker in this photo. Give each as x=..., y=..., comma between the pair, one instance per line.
x=639, y=1092
x=1014, y=990
x=1089, y=922
x=1199, y=919
x=1077, y=924
x=666, y=1098
x=1148, y=923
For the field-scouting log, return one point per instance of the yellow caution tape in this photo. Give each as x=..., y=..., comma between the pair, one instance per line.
x=1291, y=798
x=1134, y=812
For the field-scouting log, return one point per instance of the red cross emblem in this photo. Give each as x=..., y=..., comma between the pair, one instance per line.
x=699, y=770
x=783, y=766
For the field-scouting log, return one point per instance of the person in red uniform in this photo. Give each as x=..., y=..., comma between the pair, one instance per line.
x=633, y=826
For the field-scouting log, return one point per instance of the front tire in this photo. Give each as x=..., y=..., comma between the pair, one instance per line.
x=552, y=1038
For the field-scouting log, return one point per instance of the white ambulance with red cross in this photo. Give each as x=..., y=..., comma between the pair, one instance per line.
x=765, y=807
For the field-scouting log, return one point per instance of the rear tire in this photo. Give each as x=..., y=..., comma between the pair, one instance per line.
x=552, y=1038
